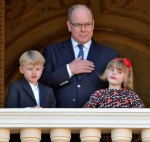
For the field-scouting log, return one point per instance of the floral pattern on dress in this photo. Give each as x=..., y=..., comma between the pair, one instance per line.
x=114, y=98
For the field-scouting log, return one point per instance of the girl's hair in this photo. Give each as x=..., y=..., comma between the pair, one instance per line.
x=32, y=57
x=121, y=64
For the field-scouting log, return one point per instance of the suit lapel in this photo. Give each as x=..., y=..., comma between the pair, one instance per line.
x=68, y=51
x=26, y=86
x=41, y=93
x=93, y=52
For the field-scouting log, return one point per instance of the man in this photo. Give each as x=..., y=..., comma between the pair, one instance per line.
x=72, y=71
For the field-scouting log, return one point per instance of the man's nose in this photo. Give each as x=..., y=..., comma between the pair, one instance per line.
x=83, y=27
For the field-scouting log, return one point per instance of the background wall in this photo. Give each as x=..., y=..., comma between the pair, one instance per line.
x=1, y=52
x=121, y=24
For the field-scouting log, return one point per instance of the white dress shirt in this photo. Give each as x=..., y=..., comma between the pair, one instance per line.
x=76, y=49
x=35, y=90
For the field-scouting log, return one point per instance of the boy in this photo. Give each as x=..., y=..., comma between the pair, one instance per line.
x=28, y=92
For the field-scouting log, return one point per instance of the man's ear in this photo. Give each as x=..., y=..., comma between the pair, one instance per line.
x=68, y=25
x=93, y=24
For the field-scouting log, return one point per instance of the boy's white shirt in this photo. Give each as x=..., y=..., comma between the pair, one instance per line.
x=35, y=89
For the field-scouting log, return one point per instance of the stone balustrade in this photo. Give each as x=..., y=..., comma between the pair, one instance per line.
x=61, y=123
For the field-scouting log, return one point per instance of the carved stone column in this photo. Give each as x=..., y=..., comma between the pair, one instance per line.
x=121, y=135
x=60, y=135
x=145, y=135
x=30, y=135
x=90, y=135
x=4, y=135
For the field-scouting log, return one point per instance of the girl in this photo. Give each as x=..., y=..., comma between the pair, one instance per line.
x=119, y=94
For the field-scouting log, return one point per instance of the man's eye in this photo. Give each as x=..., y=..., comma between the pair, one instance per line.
x=78, y=25
x=88, y=24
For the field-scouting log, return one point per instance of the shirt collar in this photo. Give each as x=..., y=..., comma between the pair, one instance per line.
x=34, y=87
x=86, y=45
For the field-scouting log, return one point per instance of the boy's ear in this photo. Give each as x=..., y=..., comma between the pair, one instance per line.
x=20, y=69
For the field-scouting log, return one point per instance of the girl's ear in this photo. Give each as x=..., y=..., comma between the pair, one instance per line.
x=21, y=69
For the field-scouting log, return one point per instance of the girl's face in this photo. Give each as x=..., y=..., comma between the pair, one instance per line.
x=115, y=78
x=31, y=72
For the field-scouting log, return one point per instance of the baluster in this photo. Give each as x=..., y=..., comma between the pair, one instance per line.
x=30, y=135
x=121, y=135
x=60, y=135
x=4, y=135
x=90, y=135
x=145, y=134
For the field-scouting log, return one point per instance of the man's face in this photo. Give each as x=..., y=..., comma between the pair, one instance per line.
x=81, y=25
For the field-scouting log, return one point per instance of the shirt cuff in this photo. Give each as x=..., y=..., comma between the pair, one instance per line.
x=69, y=72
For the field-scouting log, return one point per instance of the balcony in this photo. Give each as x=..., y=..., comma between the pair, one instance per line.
x=61, y=123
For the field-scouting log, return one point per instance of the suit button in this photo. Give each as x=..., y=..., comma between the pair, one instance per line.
x=74, y=100
x=78, y=86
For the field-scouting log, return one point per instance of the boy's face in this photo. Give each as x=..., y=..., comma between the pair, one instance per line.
x=31, y=72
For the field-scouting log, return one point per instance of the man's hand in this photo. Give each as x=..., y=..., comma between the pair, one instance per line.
x=78, y=66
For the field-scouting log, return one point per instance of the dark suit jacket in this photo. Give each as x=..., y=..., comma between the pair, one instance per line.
x=20, y=95
x=70, y=92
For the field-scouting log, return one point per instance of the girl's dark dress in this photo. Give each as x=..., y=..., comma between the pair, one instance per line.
x=115, y=98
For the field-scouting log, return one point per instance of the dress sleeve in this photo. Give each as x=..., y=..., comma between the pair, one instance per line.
x=94, y=100
x=135, y=100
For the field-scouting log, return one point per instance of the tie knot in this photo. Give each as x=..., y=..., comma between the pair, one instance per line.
x=80, y=46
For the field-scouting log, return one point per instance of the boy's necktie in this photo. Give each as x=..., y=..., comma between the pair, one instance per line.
x=81, y=53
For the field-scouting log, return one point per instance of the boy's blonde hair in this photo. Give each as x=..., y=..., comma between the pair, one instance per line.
x=32, y=57
x=121, y=64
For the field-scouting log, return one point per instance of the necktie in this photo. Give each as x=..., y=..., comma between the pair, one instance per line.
x=81, y=53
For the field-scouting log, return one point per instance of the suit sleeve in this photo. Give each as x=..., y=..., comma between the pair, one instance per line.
x=12, y=96
x=50, y=76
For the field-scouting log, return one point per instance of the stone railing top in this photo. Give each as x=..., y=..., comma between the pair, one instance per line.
x=75, y=118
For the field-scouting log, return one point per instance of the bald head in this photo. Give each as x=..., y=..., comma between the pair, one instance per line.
x=76, y=8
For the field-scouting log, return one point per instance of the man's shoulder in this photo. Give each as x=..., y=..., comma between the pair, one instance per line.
x=103, y=47
x=57, y=45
